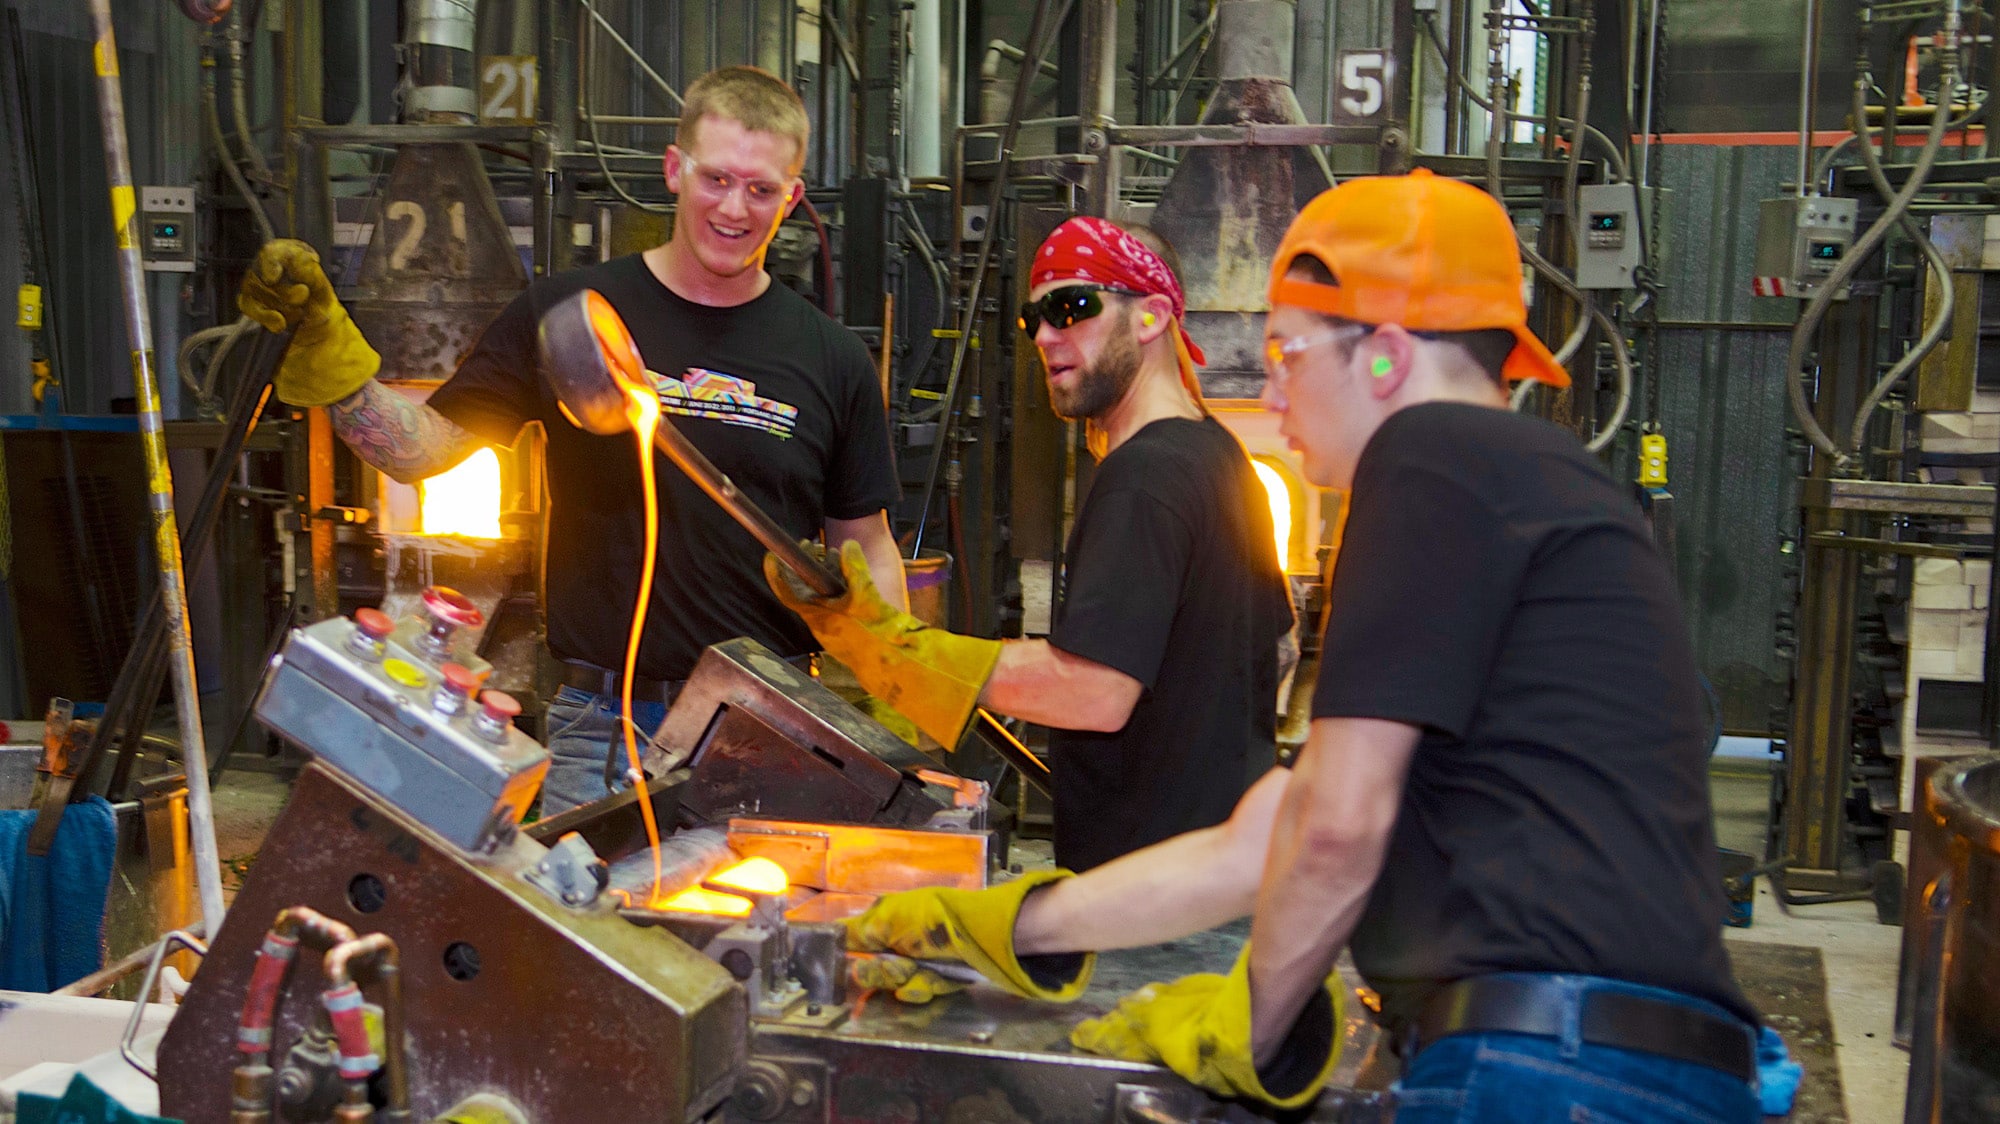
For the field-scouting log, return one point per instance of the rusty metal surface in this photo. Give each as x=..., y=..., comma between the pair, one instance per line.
x=570, y=1012
x=815, y=756
x=989, y=1056
x=440, y=263
x=1225, y=211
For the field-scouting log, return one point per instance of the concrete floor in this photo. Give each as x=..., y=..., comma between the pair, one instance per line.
x=1860, y=955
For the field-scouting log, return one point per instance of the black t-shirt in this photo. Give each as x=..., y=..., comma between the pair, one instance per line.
x=1172, y=578
x=778, y=396
x=1497, y=589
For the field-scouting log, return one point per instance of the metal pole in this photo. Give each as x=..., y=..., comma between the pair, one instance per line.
x=1808, y=86
x=166, y=537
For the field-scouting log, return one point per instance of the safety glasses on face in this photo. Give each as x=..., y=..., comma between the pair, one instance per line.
x=1067, y=305
x=718, y=184
x=1280, y=351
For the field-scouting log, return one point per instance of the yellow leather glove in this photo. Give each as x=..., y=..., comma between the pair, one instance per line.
x=1199, y=1027
x=328, y=360
x=975, y=927
x=932, y=676
x=888, y=717
x=910, y=981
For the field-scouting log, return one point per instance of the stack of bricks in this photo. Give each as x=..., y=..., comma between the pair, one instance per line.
x=1974, y=431
x=1948, y=619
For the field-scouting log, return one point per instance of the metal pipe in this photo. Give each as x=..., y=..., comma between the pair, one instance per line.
x=922, y=141
x=1496, y=95
x=1652, y=74
x=440, y=44
x=1808, y=86
x=1040, y=34
x=152, y=432
x=1921, y=1097
x=638, y=59
x=377, y=952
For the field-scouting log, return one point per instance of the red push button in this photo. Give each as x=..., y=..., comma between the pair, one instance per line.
x=374, y=623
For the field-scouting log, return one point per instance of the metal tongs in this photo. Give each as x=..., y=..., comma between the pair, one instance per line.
x=588, y=357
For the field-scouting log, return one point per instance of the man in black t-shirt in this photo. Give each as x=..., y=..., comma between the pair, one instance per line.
x=778, y=396
x=1502, y=807
x=1159, y=679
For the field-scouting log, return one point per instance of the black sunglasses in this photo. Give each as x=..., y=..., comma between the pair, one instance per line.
x=1067, y=305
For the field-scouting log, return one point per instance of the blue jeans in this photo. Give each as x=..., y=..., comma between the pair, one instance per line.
x=587, y=746
x=1500, y=1078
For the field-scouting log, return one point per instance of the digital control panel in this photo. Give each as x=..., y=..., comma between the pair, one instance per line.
x=1608, y=243
x=166, y=229
x=1801, y=241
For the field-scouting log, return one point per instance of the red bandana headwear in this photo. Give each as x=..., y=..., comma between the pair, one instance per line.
x=1087, y=248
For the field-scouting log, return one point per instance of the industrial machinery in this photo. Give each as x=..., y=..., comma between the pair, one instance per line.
x=403, y=946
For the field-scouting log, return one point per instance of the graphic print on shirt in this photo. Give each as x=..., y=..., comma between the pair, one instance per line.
x=703, y=393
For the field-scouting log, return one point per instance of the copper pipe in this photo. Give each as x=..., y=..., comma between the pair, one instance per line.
x=888, y=341
x=377, y=951
x=251, y=1088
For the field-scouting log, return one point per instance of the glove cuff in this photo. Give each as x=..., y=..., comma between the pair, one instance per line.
x=1310, y=1050
x=1058, y=977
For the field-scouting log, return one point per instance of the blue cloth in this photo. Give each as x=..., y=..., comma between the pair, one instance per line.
x=586, y=743
x=52, y=906
x=1495, y=1078
x=1778, y=1076
x=82, y=1103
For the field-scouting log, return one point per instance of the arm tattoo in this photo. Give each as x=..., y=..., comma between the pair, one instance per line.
x=405, y=439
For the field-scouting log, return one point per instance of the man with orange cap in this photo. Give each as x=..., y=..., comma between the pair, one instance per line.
x=1502, y=808
x=1159, y=678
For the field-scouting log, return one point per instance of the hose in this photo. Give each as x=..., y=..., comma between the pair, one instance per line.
x=1866, y=245
x=239, y=102
x=1940, y=270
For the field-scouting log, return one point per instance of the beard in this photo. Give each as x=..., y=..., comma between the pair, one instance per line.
x=1103, y=384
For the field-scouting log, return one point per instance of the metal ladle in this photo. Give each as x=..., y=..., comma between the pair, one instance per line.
x=585, y=351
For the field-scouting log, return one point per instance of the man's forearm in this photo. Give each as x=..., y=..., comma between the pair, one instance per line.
x=1183, y=885
x=1038, y=682
x=408, y=440
x=1327, y=847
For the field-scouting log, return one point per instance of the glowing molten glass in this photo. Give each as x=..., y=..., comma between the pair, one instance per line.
x=694, y=899
x=752, y=876
x=464, y=501
x=1281, y=509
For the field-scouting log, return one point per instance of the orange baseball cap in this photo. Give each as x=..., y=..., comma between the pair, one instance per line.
x=1430, y=254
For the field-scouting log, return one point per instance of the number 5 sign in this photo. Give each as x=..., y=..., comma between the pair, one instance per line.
x=1364, y=86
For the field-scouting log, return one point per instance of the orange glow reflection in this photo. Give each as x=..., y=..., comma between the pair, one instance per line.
x=464, y=501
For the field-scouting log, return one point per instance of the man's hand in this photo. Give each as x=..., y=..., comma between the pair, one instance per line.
x=931, y=676
x=974, y=927
x=285, y=288
x=1199, y=1027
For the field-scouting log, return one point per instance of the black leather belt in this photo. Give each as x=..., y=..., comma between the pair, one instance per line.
x=598, y=681
x=1534, y=1005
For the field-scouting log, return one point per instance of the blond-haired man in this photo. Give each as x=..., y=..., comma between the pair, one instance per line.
x=800, y=428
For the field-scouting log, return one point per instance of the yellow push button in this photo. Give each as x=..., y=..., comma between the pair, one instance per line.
x=406, y=673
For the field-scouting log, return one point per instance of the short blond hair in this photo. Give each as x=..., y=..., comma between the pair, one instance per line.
x=752, y=97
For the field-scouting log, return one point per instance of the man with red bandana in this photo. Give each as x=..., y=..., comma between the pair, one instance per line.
x=1159, y=678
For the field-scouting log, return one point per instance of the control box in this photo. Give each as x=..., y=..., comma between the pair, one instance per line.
x=420, y=735
x=1608, y=242
x=1800, y=242
x=166, y=229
